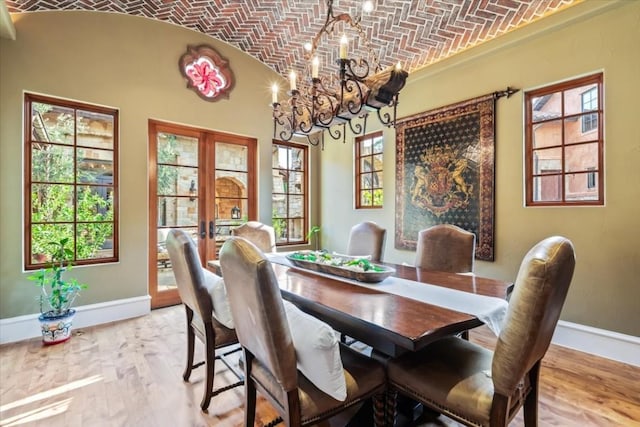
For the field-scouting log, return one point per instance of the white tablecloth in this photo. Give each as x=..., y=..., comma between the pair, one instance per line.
x=490, y=310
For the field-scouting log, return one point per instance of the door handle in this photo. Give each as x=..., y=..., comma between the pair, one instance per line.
x=203, y=232
x=212, y=231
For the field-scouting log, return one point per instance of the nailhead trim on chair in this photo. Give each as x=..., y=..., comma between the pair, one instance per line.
x=435, y=405
x=347, y=404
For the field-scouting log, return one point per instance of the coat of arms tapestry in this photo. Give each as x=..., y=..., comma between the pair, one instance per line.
x=445, y=172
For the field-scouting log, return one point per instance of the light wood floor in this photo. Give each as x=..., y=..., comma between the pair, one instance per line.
x=129, y=373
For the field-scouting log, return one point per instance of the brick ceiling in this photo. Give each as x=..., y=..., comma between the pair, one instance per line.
x=416, y=33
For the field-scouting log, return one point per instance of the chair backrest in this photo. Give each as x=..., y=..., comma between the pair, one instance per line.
x=367, y=238
x=446, y=247
x=259, y=234
x=258, y=312
x=187, y=269
x=534, y=309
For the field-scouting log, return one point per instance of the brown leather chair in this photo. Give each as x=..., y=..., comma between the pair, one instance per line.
x=195, y=296
x=476, y=386
x=270, y=360
x=367, y=238
x=261, y=235
x=446, y=247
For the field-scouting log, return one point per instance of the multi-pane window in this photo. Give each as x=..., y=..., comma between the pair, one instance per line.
x=590, y=103
x=368, y=166
x=71, y=185
x=564, y=164
x=289, y=198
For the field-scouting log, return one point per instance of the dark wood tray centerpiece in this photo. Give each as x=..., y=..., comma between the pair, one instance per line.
x=354, y=268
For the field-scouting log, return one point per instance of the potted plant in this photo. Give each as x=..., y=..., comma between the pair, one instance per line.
x=57, y=294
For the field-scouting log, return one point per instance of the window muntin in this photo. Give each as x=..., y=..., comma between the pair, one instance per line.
x=70, y=180
x=368, y=171
x=290, y=195
x=564, y=162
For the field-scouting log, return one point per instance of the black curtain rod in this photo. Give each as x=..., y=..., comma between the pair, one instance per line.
x=507, y=92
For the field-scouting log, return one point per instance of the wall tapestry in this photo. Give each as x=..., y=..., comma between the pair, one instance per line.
x=207, y=73
x=445, y=172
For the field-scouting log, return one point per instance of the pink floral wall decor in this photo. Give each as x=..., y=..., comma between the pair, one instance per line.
x=206, y=72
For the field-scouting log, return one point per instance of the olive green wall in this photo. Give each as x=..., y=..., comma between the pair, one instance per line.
x=130, y=63
x=590, y=37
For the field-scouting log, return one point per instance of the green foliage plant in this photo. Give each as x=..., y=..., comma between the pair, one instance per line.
x=57, y=294
x=314, y=231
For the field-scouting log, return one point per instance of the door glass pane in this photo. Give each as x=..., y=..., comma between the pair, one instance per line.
x=177, y=181
x=177, y=150
x=177, y=196
x=231, y=189
x=231, y=157
x=177, y=212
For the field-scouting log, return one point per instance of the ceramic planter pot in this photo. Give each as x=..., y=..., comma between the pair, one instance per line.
x=56, y=329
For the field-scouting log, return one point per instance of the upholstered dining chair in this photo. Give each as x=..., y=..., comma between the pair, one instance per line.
x=476, y=386
x=367, y=238
x=274, y=345
x=199, y=289
x=261, y=235
x=446, y=247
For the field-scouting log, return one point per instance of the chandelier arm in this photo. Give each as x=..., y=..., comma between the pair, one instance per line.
x=312, y=141
x=352, y=67
x=325, y=109
x=353, y=106
x=385, y=118
x=304, y=125
x=356, y=128
x=280, y=118
x=336, y=136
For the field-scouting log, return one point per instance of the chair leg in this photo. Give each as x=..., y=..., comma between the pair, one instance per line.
x=391, y=412
x=249, y=392
x=210, y=365
x=531, y=401
x=379, y=410
x=190, y=344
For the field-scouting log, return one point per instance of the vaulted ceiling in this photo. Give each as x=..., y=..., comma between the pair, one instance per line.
x=416, y=33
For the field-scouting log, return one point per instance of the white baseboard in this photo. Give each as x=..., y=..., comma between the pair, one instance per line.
x=600, y=342
x=27, y=326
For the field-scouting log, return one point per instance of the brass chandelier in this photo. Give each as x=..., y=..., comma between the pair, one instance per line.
x=328, y=104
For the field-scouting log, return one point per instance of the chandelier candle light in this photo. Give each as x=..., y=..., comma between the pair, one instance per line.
x=330, y=103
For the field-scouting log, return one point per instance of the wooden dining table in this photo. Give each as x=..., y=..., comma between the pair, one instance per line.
x=389, y=323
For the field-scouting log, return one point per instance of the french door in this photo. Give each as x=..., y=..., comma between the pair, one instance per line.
x=202, y=182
